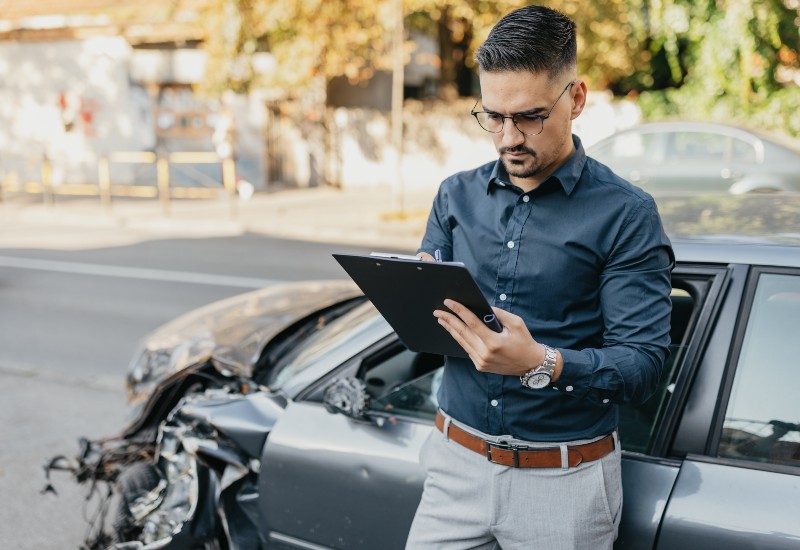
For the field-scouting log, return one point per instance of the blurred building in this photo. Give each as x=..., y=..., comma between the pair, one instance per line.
x=83, y=79
x=80, y=80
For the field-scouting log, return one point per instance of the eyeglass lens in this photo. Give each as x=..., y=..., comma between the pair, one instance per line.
x=492, y=122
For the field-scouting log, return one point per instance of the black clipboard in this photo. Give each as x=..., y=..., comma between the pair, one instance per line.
x=407, y=291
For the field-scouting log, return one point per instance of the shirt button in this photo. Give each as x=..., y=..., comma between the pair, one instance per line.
x=510, y=244
x=503, y=297
x=605, y=400
x=494, y=402
x=569, y=388
x=526, y=198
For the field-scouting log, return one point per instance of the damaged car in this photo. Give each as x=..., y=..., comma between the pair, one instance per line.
x=292, y=418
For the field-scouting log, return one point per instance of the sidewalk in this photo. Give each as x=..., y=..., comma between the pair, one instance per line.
x=367, y=217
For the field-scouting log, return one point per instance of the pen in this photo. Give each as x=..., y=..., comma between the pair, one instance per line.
x=437, y=255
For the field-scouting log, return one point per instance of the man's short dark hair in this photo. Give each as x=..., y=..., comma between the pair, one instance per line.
x=533, y=38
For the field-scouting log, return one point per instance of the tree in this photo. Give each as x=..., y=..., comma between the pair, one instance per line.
x=731, y=60
x=312, y=38
x=307, y=38
x=719, y=59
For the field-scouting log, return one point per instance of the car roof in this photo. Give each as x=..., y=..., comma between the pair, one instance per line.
x=736, y=251
x=707, y=126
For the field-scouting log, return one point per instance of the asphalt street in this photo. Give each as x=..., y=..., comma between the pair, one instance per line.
x=81, y=284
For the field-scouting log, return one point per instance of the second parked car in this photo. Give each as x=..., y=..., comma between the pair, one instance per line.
x=680, y=157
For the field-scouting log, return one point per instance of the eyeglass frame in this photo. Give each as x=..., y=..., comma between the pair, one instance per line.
x=514, y=116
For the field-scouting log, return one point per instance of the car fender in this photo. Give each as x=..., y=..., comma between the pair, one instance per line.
x=766, y=183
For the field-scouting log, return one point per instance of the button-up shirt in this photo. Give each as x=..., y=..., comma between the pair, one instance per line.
x=584, y=260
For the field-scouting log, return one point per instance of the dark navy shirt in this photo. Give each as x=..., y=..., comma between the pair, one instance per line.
x=584, y=260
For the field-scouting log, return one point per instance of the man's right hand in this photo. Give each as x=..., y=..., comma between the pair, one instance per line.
x=425, y=257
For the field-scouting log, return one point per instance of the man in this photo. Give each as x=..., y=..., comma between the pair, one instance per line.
x=577, y=264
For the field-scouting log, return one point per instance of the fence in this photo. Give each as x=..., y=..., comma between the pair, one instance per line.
x=19, y=176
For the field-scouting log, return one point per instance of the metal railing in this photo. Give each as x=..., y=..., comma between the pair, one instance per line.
x=105, y=189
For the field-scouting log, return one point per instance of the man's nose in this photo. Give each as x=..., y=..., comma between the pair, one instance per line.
x=511, y=136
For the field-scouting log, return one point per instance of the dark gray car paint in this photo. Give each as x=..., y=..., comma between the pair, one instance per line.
x=717, y=505
x=344, y=455
x=328, y=481
x=646, y=485
x=340, y=483
x=357, y=488
x=245, y=421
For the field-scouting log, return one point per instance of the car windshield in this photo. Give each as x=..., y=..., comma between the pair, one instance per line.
x=326, y=340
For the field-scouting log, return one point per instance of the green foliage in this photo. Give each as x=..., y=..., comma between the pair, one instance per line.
x=725, y=62
x=778, y=111
x=311, y=38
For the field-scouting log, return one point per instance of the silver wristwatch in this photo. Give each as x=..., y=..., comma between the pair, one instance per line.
x=541, y=376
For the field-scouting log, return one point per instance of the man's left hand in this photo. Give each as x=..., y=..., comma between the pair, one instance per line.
x=511, y=352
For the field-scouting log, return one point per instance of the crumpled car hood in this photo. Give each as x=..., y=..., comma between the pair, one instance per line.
x=242, y=329
x=230, y=333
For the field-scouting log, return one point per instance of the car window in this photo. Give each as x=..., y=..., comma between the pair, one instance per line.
x=638, y=424
x=402, y=382
x=695, y=146
x=628, y=146
x=762, y=420
x=326, y=337
x=743, y=152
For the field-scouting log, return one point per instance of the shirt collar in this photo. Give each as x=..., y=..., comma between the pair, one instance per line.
x=567, y=174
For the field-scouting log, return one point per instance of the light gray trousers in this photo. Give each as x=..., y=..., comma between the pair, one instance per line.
x=471, y=503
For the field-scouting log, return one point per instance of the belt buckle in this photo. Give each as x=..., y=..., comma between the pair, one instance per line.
x=515, y=449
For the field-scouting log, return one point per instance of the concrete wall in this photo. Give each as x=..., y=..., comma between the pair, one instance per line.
x=70, y=101
x=74, y=101
x=439, y=140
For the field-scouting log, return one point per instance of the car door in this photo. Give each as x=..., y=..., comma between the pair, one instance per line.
x=649, y=468
x=741, y=490
x=329, y=481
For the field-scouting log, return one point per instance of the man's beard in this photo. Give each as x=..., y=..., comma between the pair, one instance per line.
x=520, y=169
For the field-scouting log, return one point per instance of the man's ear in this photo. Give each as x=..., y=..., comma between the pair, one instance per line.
x=578, y=98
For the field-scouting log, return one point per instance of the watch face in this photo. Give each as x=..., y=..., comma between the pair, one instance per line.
x=538, y=381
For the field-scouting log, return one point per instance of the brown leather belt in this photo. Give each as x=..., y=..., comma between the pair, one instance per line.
x=527, y=457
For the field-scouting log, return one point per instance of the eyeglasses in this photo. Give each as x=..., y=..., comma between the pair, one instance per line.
x=530, y=125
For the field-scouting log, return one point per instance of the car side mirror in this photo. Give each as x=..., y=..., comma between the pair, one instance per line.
x=347, y=396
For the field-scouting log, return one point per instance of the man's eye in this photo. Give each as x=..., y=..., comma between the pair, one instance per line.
x=493, y=116
x=529, y=118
